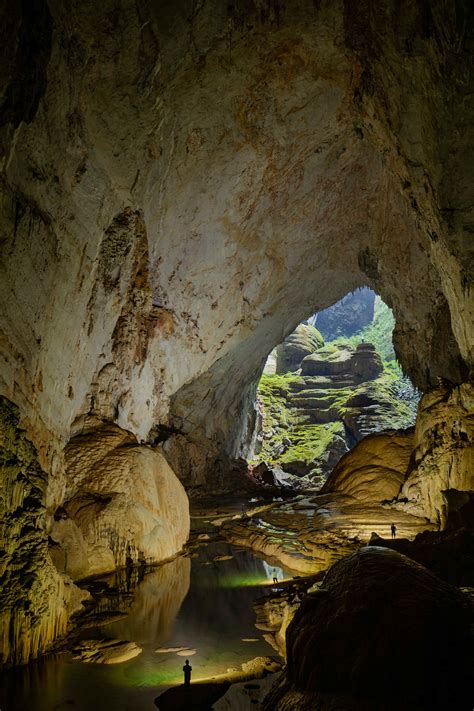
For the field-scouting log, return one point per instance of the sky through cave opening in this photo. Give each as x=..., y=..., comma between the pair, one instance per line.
x=334, y=380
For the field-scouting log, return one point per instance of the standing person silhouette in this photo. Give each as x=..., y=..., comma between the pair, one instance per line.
x=187, y=669
x=394, y=530
x=275, y=579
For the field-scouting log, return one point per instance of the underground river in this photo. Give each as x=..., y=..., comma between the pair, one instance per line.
x=201, y=602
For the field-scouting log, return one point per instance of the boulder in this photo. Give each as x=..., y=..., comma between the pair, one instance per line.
x=374, y=470
x=382, y=633
x=123, y=504
x=304, y=340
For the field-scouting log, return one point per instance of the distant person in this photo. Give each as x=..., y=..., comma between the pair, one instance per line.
x=275, y=579
x=187, y=669
x=394, y=530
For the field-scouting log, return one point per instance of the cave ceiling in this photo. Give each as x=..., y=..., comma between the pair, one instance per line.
x=182, y=184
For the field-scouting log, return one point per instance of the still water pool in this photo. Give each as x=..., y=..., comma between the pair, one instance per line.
x=201, y=603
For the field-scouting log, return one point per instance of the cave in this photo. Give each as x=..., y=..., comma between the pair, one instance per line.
x=182, y=186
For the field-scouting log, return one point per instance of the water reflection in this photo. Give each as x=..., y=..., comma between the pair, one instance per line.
x=204, y=604
x=156, y=603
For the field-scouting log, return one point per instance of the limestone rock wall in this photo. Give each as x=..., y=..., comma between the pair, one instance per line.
x=35, y=600
x=443, y=457
x=351, y=314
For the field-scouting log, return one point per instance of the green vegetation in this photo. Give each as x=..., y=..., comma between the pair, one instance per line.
x=306, y=418
x=379, y=332
x=310, y=442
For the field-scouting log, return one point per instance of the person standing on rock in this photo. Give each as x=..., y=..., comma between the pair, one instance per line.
x=394, y=530
x=275, y=579
x=187, y=669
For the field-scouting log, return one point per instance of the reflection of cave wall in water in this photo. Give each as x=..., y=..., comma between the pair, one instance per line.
x=352, y=313
x=157, y=600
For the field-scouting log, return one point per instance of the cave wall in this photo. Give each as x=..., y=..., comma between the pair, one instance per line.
x=36, y=602
x=175, y=182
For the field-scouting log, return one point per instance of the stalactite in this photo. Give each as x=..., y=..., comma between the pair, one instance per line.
x=34, y=598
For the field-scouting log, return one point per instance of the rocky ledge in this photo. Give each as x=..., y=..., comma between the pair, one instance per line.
x=381, y=632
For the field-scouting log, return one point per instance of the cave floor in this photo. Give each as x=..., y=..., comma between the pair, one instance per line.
x=310, y=532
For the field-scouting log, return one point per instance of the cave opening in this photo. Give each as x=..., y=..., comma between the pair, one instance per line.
x=334, y=380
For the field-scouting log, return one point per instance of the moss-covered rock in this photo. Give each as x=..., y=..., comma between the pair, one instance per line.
x=304, y=340
x=310, y=419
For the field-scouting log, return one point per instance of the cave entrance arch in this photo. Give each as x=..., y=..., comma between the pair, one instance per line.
x=332, y=382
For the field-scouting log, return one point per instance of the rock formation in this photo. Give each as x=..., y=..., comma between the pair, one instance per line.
x=410, y=645
x=35, y=600
x=374, y=470
x=122, y=504
x=304, y=341
x=443, y=457
x=310, y=418
x=364, y=364
x=175, y=184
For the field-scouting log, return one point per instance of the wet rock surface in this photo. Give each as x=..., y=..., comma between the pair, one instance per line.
x=382, y=632
x=311, y=533
x=105, y=651
x=200, y=696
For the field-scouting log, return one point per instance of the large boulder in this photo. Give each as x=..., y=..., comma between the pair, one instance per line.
x=374, y=470
x=304, y=340
x=382, y=633
x=123, y=504
x=357, y=366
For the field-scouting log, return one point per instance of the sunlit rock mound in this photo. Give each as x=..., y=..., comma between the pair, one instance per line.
x=382, y=633
x=374, y=470
x=123, y=503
